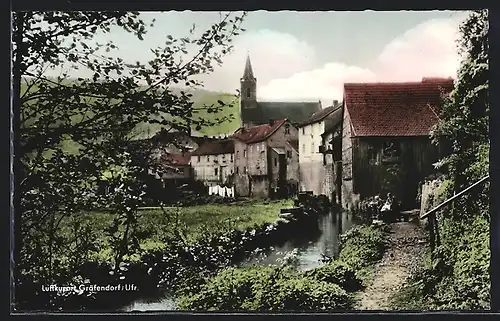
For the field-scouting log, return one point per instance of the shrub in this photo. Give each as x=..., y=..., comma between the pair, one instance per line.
x=336, y=272
x=458, y=276
x=265, y=289
x=363, y=245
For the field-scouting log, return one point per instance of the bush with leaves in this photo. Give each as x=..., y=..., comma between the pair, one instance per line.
x=458, y=276
x=74, y=134
x=265, y=289
x=336, y=272
x=363, y=245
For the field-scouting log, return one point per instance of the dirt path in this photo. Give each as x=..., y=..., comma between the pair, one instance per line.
x=400, y=260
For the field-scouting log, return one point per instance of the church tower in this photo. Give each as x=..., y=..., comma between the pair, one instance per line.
x=248, y=91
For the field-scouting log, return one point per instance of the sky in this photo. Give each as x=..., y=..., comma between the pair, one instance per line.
x=310, y=55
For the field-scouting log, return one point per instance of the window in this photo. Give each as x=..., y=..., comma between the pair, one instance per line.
x=237, y=154
x=208, y=158
x=372, y=156
x=391, y=152
x=199, y=159
x=244, y=169
x=216, y=171
x=249, y=92
x=303, y=148
x=231, y=157
x=237, y=170
x=258, y=147
x=289, y=153
x=287, y=129
x=244, y=153
x=303, y=130
x=275, y=161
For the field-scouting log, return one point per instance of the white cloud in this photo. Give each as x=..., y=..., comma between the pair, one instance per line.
x=426, y=50
x=282, y=63
x=273, y=55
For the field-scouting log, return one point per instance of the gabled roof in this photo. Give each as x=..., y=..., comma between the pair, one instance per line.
x=278, y=150
x=295, y=112
x=319, y=116
x=294, y=143
x=395, y=109
x=215, y=147
x=258, y=133
x=175, y=160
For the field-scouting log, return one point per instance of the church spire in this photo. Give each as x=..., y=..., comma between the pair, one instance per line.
x=248, y=73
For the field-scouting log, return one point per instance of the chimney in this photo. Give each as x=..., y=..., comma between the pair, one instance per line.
x=436, y=79
x=335, y=103
x=271, y=122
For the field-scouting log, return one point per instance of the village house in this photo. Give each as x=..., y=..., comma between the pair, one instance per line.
x=386, y=144
x=213, y=161
x=315, y=163
x=173, y=170
x=253, y=112
x=266, y=160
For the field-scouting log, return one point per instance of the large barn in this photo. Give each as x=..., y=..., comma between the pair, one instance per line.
x=386, y=145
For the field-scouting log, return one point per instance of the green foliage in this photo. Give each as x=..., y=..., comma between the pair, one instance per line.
x=74, y=133
x=336, y=272
x=464, y=119
x=363, y=245
x=458, y=278
x=265, y=289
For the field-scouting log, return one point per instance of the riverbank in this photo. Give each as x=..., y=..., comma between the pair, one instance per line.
x=176, y=245
x=330, y=287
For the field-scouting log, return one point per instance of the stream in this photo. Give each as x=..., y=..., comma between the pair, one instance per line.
x=309, y=247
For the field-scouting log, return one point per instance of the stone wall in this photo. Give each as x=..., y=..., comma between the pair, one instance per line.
x=428, y=195
x=350, y=199
x=311, y=177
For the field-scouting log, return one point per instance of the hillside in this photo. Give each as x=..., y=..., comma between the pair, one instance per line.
x=200, y=98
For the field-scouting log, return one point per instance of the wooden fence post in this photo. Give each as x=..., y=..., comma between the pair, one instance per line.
x=432, y=236
x=436, y=226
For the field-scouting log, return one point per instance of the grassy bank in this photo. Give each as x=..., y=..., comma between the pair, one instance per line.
x=330, y=287
x=156, y=225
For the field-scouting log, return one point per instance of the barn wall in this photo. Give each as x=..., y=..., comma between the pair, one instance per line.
x=372, y=175
x=350, y=200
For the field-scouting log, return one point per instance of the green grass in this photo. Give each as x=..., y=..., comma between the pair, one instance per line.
x=154, y=225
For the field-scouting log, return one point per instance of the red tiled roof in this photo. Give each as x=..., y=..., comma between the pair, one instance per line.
x=259, y=133
x=175, y=159
x=294, y=143
x=395, y=109
x=215, y=147
x=318, y=116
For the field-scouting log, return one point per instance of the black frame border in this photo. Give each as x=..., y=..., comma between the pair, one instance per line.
x=311, y=5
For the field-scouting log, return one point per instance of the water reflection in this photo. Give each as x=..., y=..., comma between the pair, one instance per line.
x=310, y=246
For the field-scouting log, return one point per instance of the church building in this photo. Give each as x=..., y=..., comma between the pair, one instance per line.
x=253, y=112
